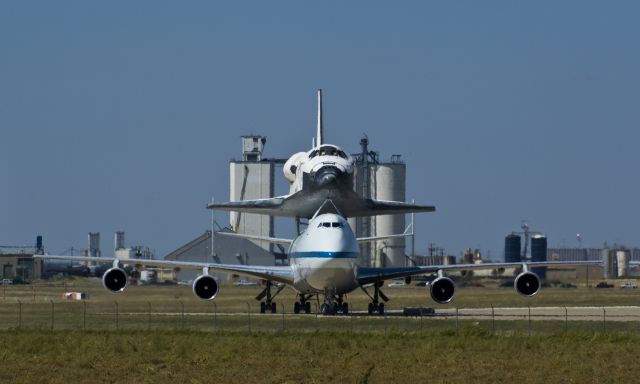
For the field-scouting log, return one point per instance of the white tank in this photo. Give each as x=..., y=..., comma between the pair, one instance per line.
x=622, y=257
x=118, y=240
x=94, y=244
x=388, y=183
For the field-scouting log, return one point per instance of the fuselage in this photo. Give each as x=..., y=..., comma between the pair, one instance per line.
x=325, y=256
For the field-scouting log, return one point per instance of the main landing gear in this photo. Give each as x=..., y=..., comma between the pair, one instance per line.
x=303, y=304
x=375, y=306
x=333, y=304
x=268, y=305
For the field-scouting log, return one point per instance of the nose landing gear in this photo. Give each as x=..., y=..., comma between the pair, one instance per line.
x=333, y=303
x=303, y=304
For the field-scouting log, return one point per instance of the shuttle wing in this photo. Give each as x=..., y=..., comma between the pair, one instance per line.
x=370, y=207
x=280, y=274
x=305, y=204
x=370, y=275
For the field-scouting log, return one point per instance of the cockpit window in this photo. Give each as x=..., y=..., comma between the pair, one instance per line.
x=331, y=224
x=327, y=151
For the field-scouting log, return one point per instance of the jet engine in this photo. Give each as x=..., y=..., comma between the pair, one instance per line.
x=442, y=290
x=527, y=284
x=114, y=279
x=205, y=287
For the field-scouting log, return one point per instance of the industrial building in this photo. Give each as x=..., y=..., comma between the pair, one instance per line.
x=17, y=261
x=617, y=261
x=18, y=264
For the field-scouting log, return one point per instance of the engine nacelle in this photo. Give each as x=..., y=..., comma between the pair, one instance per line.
x=442, y=290
x=527, y=284
x=205, y=287
x=114, y=279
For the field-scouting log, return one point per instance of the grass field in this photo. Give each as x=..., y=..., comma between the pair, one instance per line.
x=158, y=334
x=470, y=355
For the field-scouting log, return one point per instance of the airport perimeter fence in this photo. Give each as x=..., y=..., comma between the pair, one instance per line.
x=206, y=316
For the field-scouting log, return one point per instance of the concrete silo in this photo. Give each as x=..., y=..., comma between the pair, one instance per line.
x=388, y=181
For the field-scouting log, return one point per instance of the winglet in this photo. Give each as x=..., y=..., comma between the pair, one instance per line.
x=319, y=134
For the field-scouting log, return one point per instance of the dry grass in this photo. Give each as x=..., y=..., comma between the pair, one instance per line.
x=470, y=355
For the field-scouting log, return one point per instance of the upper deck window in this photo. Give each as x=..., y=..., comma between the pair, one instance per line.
x=331, y=224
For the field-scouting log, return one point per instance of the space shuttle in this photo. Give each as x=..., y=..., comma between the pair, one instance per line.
x=325, y=173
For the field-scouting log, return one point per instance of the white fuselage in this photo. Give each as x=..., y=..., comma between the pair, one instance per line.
x=324, y=257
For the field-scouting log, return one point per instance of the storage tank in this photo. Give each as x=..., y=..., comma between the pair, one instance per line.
x=539, y=253
x=94, y=244
x=622, y=257
x=118, y=240
x=39, y=247
x=388, y=181
x=512, y=246
x=609, y=264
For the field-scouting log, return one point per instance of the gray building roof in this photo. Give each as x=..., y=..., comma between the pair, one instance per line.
x=227, y=250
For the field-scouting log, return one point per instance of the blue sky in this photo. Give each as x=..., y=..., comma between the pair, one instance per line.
x=123, y=115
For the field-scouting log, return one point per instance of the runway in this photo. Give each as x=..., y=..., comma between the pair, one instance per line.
x=613, y=313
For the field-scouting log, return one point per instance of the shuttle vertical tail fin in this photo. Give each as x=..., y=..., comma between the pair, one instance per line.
x=320, y=133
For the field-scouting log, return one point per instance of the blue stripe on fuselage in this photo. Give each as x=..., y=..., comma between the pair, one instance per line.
x=325, y=255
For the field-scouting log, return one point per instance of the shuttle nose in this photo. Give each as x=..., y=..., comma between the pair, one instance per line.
x=327, y=175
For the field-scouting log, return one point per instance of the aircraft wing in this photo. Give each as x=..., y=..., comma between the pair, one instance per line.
x=280, y=274
x=369, y=275
x=274, y=240
x=385, y=237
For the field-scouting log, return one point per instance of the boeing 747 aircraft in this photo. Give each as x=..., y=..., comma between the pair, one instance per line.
x=323, y=263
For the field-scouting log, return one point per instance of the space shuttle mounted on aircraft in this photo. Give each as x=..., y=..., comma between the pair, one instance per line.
x=325, y=172
x=324, y=258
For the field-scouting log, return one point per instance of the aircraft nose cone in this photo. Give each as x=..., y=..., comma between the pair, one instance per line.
x=327, y=175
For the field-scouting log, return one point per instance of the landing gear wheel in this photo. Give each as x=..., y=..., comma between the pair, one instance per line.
x=324, y=309
x=345, y=308
x=263, y=307
x=296, y=307
x=381, y=308
x=307, y=307
x=370, y=308
x=273, y=308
